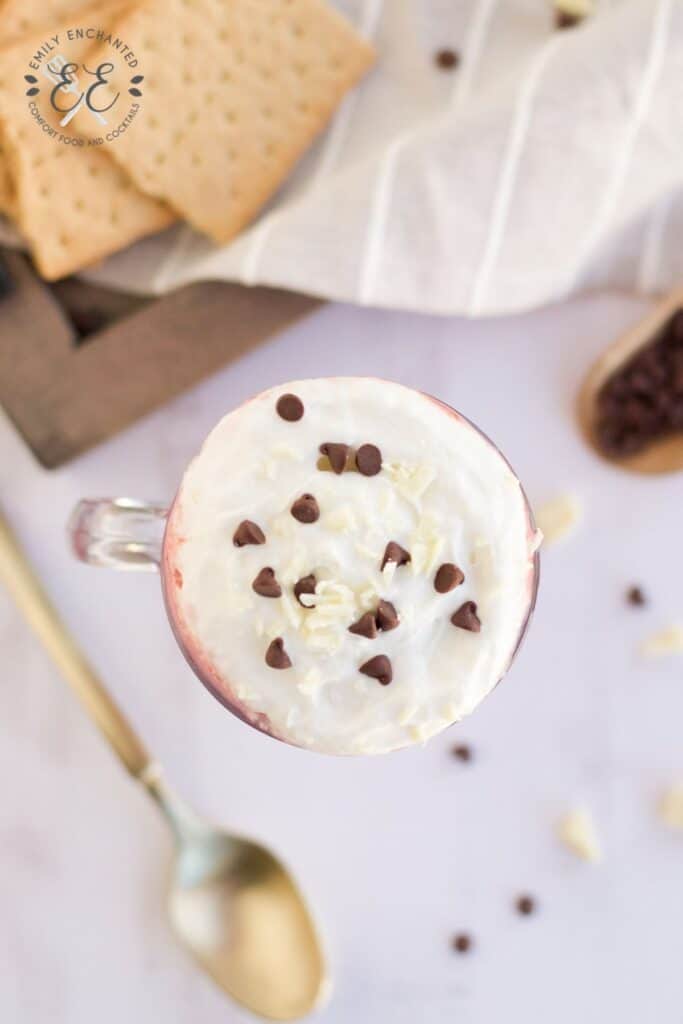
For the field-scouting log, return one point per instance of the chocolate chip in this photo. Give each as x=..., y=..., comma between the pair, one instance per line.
x=466, y=617
x=306, y=585
x=248, y=533
x=368, y=460
x=525, y=905
x=290, y=408
x=336, y=453
x=276, y=655
x=448, y=577
x=305, y=509
x=387, y=616
x=447, y=59
x=265, y=583
x=462, y=752
x=635, y=596
x=393, y=552
x=378, y=668
x=462, y=942
x=566, y=19
x=366, y=626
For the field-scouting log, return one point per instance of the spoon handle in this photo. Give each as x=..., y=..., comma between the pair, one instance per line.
x=23, y=586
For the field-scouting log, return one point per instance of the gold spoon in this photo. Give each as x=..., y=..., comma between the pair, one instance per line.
x=663, y=455
x=231, y=902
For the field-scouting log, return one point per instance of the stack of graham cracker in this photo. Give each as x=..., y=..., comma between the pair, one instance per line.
x=232, y=93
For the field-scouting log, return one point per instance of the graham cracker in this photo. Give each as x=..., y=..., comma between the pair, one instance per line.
x=73, y=205
x=22, y=17
x=233, y=95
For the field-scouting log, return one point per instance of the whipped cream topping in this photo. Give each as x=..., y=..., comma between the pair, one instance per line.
x=443, y=493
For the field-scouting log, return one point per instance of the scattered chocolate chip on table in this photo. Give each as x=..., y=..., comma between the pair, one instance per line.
x=462, y=942
x=447, y=59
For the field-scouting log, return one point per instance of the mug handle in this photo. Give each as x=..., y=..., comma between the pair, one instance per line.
x=118, y=533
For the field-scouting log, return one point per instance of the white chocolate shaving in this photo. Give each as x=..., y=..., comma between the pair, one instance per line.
x=575, y=8
x=275, y=628
x=388, y=572
x=671, y=806
x=663, y=642
x=291, y=609
x=577, y=831
x=559, y=518
x=284, y=525
x=311, y=682
x=266, y=469
x=285, y=451
x=332, y=611
x=426, y=546
x=368, y=598
x=409, y=711
x=342, y=520
x=374, y=554
x=411, y=481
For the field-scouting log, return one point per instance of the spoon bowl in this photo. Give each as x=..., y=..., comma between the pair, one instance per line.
x=663, y=454
x=237, y=910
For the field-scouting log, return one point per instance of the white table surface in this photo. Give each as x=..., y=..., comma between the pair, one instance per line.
x=399, y=852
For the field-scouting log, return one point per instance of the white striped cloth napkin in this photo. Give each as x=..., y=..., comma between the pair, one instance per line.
x=548, y=162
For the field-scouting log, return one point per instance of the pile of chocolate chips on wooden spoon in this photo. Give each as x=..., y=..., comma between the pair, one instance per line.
x=642, y=401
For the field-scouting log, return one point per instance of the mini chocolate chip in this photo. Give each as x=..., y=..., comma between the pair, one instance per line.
x=447, y=59
x=336, y=453
x=565, y=19
x=290, y=408
x=448, y=577
x=305, y=509
x=462, y=752
x=368, y=460
x=393, y=552
x=366, y=626
x=387, y=616
x=306, y=585
x=276, y=655
x=462, y=942
x=265, y=583
x=466, y=617
x=248, y=533
x=525, y=905
x=635, y=596
x=378, y=668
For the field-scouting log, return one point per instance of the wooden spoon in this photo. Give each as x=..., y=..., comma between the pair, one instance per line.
x=663, y=454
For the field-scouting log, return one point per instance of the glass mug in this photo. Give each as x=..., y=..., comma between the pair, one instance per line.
x=132, y=535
